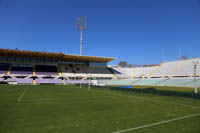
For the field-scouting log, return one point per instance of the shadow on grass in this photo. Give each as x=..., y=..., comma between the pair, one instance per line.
x=154, y=91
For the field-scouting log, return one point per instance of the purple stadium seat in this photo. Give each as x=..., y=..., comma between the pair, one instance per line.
x=77, y=81
x=49, y=81
x=21, y=80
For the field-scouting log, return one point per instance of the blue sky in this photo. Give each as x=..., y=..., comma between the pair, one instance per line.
x=136, y=31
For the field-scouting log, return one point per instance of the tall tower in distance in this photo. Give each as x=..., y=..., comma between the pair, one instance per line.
x=81, y=25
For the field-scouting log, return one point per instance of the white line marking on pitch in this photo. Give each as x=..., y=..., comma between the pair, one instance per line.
x=158, y=123
x=20, y=97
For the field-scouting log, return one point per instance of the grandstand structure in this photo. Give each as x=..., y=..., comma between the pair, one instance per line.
x=30, y=67
x=174, y=73
x=173, y=69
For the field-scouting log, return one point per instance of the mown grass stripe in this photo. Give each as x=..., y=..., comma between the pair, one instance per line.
x=150, y=100
x=157, y=123
x=66, y=98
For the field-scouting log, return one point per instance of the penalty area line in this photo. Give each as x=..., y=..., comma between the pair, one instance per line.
x=20, y=97
x=157, y=123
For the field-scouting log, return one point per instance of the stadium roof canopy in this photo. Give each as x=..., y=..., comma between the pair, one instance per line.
x=53, y=56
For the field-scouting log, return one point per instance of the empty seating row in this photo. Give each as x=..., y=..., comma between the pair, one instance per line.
x=30, y=81
x=149, y=81
x=46, y=70
x=67, y=70
x=73, y=70
x=99, y=72
x=124, y=72
x=77, y=81
x=21, y=70
x=165, y=69
x=117, y=82
x=20, y=80
x=187, y=69
x=143, y=71
x=183, y=82
x=180, y=68
x=48, y=81
x=4, y=68
x=81, y=70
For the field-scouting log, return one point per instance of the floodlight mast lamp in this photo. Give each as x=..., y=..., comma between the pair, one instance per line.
x=81, y=25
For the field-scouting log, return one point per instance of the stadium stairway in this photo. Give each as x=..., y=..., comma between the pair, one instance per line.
x=176, y=68
x=64, y=82
x=9, y=69
x=135, y=81
x=161, y=81
x=148, y=82
x=149, y=76
x=34, y=69
x=188, y=83
x=60, y=73
x=133, y=73
x=112, y=72
x=84, y=69
x=59, y=70
x=34, y=82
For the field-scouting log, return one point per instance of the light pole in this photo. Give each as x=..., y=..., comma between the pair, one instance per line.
x=89, y=82
x=195, y=63
x=81, y=25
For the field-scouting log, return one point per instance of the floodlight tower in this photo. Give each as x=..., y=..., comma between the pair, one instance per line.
x=195, y=63
x=81, y=25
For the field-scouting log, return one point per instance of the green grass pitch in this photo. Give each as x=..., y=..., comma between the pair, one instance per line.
x=70, y=109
